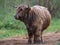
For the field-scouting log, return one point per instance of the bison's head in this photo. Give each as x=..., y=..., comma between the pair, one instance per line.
x=22, y=12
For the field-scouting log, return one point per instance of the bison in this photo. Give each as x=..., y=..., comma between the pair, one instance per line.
x=36, y=18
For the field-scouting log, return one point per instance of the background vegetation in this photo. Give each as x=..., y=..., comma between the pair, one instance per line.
x=11, y=27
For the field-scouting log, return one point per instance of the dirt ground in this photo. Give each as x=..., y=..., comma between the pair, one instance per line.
x=49, y=39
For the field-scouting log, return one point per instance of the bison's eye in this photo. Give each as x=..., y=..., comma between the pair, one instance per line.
x=20, y=9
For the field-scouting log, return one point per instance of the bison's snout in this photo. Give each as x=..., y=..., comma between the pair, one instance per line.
x=15, y=17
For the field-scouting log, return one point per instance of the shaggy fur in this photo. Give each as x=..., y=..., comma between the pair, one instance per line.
x=36, y=19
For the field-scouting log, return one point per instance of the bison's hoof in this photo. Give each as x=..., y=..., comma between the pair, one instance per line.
x=29, y=41
x=38, y=42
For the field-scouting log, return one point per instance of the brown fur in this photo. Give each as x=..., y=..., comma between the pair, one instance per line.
x=36, y=19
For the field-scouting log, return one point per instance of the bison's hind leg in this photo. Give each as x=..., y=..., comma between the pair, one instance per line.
x=41, y=41
x=38, y=37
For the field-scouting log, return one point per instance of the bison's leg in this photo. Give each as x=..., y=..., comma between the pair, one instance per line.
x=30, y=35
x=41, y=38
x=38, y=37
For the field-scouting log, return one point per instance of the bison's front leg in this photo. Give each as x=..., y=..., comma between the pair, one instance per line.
x=30, y=35
x=38, y=37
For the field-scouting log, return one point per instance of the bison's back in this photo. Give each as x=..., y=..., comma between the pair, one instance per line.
x=43, y=15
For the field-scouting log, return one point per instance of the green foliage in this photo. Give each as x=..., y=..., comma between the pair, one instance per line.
x=11, y=27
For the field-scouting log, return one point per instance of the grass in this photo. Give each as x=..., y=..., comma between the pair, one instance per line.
x=10, y=27
x=54, y=26
x=4, y=33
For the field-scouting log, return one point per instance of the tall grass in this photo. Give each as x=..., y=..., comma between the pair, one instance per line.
x=11, y=27
x=18, y=28
x=54, y=26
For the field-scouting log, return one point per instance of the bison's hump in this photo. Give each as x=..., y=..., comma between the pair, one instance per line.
x=37, y=7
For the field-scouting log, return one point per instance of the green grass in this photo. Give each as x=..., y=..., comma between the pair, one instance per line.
x=54, y=26
x=10, y=27
x=4, y=33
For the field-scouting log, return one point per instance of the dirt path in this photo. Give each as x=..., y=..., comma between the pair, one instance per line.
x=49, y=39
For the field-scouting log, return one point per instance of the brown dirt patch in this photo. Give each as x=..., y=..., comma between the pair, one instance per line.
x=49, y=39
